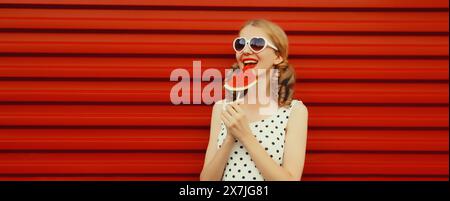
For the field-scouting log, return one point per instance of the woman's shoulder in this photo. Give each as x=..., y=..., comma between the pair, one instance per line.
x=298, y=107
x=218, y=105
x=295, y=103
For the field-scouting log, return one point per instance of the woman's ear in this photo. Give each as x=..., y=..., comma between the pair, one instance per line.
x=278, y=60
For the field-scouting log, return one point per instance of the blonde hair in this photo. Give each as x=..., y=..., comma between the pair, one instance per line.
x=286, y=79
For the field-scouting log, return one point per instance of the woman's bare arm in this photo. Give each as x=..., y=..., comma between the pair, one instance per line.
x=216, y=159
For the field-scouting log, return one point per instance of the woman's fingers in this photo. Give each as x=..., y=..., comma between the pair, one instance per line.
x=227, y=116
x=237, y=108
x=225, y=120
x=232, y=113
x=230, y=110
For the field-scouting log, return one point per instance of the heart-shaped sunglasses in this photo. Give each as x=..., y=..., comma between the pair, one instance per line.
x=256, y=44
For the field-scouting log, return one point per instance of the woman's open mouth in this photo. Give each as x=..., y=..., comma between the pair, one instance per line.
x=249, y=63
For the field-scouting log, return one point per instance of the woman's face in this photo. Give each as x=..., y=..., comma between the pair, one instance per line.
x=264, y=59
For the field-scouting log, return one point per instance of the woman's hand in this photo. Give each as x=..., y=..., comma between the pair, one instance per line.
x=236, y=121
x=229, y=139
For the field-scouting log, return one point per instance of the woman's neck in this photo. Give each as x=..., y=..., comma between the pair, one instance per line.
x=254, y=101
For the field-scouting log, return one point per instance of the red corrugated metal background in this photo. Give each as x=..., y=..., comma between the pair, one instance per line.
x=84, y=86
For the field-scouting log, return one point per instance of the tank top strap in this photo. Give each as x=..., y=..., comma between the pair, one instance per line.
x=294, y=102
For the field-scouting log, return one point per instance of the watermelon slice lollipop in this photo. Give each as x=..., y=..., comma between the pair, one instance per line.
x=241, y=80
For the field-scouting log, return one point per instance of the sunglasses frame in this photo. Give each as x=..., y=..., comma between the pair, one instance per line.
x=247, y=43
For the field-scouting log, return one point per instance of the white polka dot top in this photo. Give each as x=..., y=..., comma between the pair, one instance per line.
x=270, y=132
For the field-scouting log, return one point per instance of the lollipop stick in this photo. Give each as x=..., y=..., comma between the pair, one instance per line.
x=237, y=100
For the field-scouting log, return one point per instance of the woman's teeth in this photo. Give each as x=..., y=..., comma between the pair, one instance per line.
x=249, y=64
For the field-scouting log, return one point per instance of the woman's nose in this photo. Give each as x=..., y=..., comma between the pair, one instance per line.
x=246, y=50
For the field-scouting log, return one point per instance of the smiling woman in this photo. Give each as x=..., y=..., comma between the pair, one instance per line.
x=85, y=92
x=243, y=144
